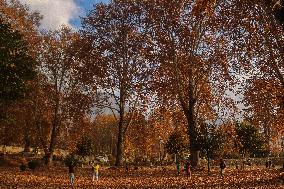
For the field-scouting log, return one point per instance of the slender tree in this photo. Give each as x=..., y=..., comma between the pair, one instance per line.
x=118, y=48
x=68, y=97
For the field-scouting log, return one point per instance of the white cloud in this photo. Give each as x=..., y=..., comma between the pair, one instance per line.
x=55, y=12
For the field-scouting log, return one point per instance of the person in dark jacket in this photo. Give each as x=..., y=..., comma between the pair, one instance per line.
x=187, y=169
x=222, y=167
x=71, y=167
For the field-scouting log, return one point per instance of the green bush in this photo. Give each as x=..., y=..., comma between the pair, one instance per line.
x=33, y=164
x=71, y=160
x=23, y=167
x=85, y=147
x=176, y=143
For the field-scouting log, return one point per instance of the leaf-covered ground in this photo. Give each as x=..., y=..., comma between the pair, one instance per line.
x=142, y=178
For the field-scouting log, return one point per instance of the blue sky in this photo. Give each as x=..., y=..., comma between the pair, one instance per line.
x=61, y=12
x=85, y=5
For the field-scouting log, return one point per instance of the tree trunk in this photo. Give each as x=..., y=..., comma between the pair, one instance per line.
x=208, y=164
x=119, y=152
x=49, y=154
x=27, y=145
x=194, y=157
x=194, y=151
x=27, y=140
x=48, y=158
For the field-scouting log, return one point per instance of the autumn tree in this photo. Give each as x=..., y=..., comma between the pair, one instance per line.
x=25, y=21
x=117, y=47
x=252, y=142
x=255, y=47
x=176, y=144
x=147, y=135
x=105, y=134
x=68, y=97
x=189, y=57
x=232, y=143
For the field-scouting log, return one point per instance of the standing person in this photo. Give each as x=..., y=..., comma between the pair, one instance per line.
x=92, y=163
x=95, y=168
x=71, y=162
x=187, y=169
x=178, y=166
x=269, y=163
x=266, y=164
x=126, y=166
x=222, y=167
x=71, y=167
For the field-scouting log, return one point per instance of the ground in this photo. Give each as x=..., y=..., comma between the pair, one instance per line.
x=57, y=177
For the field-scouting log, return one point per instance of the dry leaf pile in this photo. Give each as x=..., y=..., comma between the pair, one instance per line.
x=142, y=178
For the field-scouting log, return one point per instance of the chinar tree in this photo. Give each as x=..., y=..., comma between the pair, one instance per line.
x=69, y=97
x=117, y=46
x=189, y=60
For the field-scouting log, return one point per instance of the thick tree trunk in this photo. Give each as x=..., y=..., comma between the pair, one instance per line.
x=194, y=151
x=48, y=158
x=49, y=154
x=194, y=157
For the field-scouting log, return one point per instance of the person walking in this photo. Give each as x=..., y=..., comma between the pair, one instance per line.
x=178, y=167
x=71, y=168
x=268, y=164
x=222, y=167
x=187, y=169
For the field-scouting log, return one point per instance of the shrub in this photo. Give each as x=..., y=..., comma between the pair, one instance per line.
x=85, y=147
x=33, y=164
x=176, y=143
x=23, y=167
x=71, y=160
x=2, y=161
x=57, y=158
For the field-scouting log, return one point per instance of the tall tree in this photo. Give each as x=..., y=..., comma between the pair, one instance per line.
x=117, y=46
x=189, y=56
x=26, y=23
x=255, y=47
x=16, y=66
x=68, y=97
